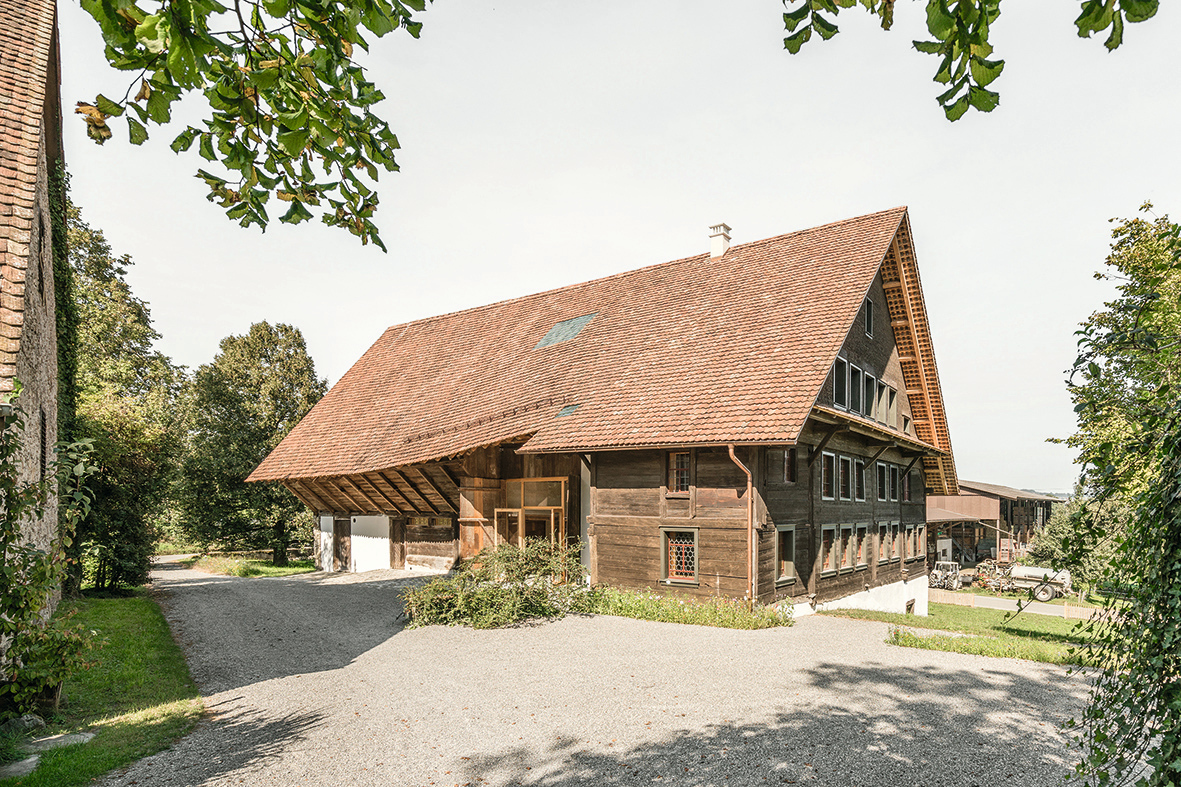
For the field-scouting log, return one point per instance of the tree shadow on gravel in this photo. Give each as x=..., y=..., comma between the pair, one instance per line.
x=239, y=631
x=899, y=726
x=248, y=740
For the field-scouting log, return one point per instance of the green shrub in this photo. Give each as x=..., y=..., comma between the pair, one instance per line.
x=504, y=586
x=715, y=611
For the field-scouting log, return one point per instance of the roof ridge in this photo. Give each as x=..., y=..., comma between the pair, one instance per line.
x=635, y=271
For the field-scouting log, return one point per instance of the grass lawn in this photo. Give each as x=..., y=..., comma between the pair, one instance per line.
x=984, y=632
x=240, y=567
x=1088, y=600
x=137, y=698
x=719, y=612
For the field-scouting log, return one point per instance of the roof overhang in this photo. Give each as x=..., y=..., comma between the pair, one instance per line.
x=870, y=429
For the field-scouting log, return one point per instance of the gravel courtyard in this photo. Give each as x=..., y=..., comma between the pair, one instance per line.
x=311, y=680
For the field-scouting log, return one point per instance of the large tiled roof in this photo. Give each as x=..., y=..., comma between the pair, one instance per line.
x=732, y=349
x=996, y=490
x=26, y=49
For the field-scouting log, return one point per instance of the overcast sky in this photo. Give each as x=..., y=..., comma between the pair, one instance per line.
x=547, y=143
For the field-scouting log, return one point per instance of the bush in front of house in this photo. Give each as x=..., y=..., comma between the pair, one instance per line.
x=504, y=586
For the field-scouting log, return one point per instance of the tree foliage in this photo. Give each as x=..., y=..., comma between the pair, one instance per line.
x=130, y=406
x=1126, y=396
x=1058, y=543
x=245, y=401
x=289, y=106
x=960, y=32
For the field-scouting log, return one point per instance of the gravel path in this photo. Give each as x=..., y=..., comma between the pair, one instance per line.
x=311, y=681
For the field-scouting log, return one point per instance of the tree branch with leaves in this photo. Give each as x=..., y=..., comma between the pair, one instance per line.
x=290, y=108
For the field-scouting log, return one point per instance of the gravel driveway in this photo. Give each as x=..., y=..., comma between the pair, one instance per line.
x=311, y=680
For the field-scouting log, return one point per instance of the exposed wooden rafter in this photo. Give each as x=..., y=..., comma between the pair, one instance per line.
x=431, y=486
x=406, y=501
x=375, y=489
x=832, y=432
x=410, y=485
x=374, y=505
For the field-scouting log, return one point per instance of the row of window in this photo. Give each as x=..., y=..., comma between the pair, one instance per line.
x=848, y=547
x=856, y=390
x=843, y=478
x=842, y=548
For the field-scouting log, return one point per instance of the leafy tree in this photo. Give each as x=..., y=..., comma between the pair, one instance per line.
x=254, y=392
x=129, y=406
x=960, y=38
x=290, y=109
x=1130, y=442
x=1058, y=543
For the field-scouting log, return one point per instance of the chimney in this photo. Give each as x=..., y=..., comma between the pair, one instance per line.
x=719, y=239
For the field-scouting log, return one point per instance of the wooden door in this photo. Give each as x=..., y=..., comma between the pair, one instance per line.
x=397, y=542
x=342, y=542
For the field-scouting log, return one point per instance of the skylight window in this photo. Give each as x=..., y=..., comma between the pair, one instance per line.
x=567, y=410
x=565, y=330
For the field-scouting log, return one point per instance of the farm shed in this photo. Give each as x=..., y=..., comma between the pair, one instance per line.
x=993, y=517
x=764, y=419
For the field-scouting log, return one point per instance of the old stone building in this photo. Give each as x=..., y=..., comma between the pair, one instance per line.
x=30, y=154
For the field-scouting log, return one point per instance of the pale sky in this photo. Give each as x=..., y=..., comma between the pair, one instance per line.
x=547, y=143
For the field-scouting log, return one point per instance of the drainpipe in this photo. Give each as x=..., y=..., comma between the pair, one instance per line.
x=750, y=525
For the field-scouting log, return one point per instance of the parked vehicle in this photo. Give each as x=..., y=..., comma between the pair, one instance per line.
x=946, y=575
x=1045, y=583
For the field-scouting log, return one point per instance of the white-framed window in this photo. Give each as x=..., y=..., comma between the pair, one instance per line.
x=906, y=424
x=883, y=482
x=893, y=484
x=829, y=550
x=785, y=554
x=880, y=406
x=680, y=555
x=847, y=547
x=840, y=383
x=883, y=543
x=855, y=388
x=845, y=479
x=859, y=479
x=862, y=546
x=828, y=472
x=869, y=318
x=892, y=408
x=871, y=387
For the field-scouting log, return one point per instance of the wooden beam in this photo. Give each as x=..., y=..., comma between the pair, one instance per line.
x=410, y=485
x=913, y=462
x=431, y=485
x=374, y=488
x=885, y=447
x=376, y=505
x=298, y=496
x=447, y=474
x=892, y=285
x=394, y=488
x=337, y=487
x=332, y=495
x=824, y=442
x=318, y=504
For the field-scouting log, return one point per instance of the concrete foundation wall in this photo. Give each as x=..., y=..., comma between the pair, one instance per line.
x=887, y=598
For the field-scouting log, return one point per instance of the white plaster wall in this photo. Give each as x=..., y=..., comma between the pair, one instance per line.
x=324, y=543
x=371, y=543
x=887, y=598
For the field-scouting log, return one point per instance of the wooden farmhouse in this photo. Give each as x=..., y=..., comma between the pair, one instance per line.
x=30, y=153
x=987, y=521
x=764, y=420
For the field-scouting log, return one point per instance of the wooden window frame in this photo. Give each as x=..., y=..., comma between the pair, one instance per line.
x=840, y=373
x=855, y=390
x=825, y=570
x=906, y=424
x=869, y=317
x=781, y=579
x=895, y=543
x=665, y=532
x=911, y=544
x=870, y=395
x=907, y=495
x=883, y=479
x=670, y=458
x=879, y=405
x=892, y=407
x=847, y=546
x=861, y=544
x=791, y=465
x=894, y=474
x=828, y=471
x=859, y=480
x=883, y=543
x=844, y=478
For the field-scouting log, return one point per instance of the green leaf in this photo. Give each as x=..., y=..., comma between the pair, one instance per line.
x=206, y=147
x=940, y=22
x=793, y=42
x=928, y=47
x=152, y=34
x=1139, y=10
x=137, y=133
x=793, y=19
x=825, y=28
x=293, y=142
x=107, y=106
x=1117, y=33
x=983, y=100
x=296, y=213
x=184, y=140
x=985, y=71
x=955, y=111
